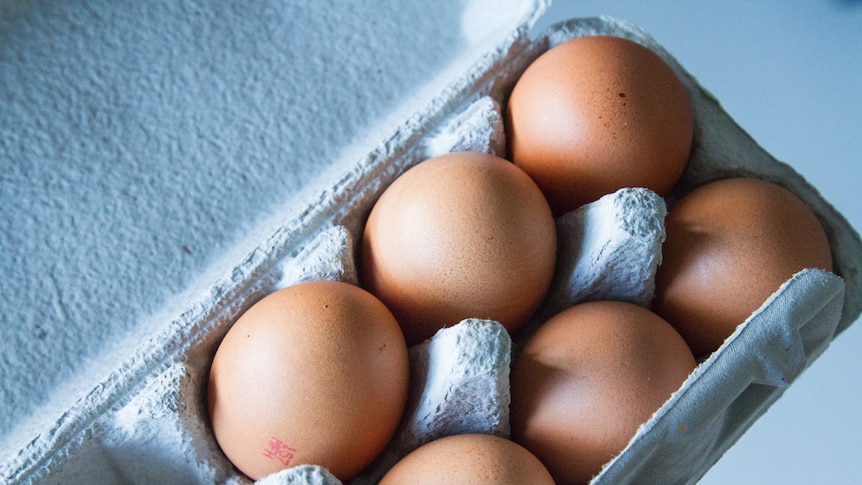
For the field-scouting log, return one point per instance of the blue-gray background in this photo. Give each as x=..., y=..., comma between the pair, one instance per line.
x=790, y=73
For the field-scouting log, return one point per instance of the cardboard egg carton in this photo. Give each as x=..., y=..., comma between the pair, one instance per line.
x=147, y=422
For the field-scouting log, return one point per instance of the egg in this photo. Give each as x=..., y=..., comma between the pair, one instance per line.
x=461, y=235
x=596, y=114
x=587, y=378
x=315, y=373
x=731, y=244
x=468, y=459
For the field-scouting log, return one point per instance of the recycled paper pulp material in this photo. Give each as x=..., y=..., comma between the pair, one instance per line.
x=148, y=148
x=146, y=421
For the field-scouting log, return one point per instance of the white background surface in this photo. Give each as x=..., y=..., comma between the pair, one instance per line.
x=790, y=73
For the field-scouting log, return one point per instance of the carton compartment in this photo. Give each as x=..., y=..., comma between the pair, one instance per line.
x=148, y=422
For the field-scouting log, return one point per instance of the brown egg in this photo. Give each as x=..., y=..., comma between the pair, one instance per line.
x=596, y=114
x=315, y=373
x=459, y=236
x=469, y=459
x=587, y=379
x=730, y=244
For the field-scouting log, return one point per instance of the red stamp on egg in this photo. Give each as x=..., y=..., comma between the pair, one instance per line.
x=278, y=450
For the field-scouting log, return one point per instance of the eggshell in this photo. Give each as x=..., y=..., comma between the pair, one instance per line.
x=316, y=373
x=461, y=235
x=730, y=244
x=596, y=114
x=469, y=459
x=587, y=379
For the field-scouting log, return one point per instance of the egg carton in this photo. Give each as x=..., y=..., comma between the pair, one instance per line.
x=147, y=422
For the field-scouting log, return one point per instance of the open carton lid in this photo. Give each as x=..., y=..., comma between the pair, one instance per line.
x=150, y=147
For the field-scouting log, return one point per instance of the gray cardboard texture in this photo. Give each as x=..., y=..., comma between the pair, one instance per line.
x=146, y=421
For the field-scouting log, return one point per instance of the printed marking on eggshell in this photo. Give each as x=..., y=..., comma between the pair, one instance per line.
x=276, y=449
x=328, y=257
x=479, y=128
x=301, y=475
x=609, y=250
x=459, y=383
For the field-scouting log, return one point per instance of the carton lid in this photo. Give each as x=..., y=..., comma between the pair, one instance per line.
x=147, y=146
